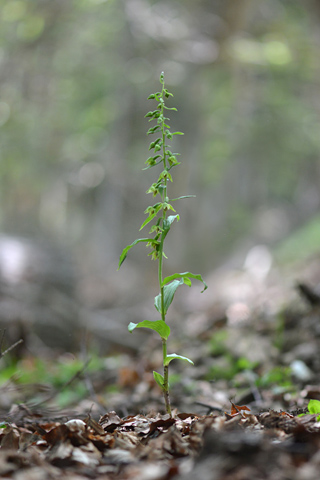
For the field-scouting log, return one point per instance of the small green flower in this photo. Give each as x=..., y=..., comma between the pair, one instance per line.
x=150, y=210
x=154, y=189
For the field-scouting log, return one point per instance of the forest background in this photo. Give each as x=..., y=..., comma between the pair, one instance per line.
x=74, y=81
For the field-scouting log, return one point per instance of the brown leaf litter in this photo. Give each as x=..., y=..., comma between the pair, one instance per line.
x=237, y=445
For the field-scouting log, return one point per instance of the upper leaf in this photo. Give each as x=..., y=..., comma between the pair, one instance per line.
x=148, y=220
x=168, y=294
x=186, y=279
x=183, y=196
x=158, y=326
x=124, y=253
x=169, y=220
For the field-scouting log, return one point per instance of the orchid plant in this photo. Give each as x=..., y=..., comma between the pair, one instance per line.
x=162, y=215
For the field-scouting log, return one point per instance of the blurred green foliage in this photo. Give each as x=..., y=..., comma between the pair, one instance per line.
x=74, y=77
x=217, y=343
x=227, y=367
x=56, y=376
x=278, y=376
x=301, y=244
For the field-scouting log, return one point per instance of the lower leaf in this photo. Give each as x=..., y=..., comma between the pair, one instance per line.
x=173, y=356
x=159, y=379
x=158, y=326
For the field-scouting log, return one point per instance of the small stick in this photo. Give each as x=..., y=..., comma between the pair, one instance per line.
x=11, y=346
x=2, y=339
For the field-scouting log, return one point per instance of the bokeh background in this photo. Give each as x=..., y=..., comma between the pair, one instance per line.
x=74, y=80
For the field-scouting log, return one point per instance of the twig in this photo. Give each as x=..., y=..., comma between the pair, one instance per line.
x=210, y=408
x=2, y=339
x=11, y=346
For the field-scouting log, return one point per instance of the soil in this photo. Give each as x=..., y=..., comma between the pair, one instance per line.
x=239, y=414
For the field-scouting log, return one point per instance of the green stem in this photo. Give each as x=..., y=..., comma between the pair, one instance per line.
x=166, y=379
x=163, y=314
x=164, y=341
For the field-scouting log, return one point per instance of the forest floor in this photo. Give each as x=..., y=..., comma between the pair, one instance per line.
x=236, y=413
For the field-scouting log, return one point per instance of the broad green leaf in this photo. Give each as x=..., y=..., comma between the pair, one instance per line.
x=173, y=356
x=169, y=220
x=168, y=293
x=159, y=379
x=124, y=253
x=169, y=289
x=157, y=303
x=186, y=279
x=158, y=326
x=314, y=406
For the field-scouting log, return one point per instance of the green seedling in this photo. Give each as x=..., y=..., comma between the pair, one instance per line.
x=160, y=214
x=313, y=408
x=278, y=376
